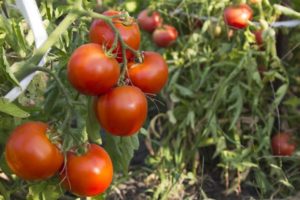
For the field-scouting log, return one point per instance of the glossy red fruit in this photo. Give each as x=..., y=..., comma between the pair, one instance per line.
x=149, y=21
x=164, y=36
x=238, y=16
x=91, y=71
x=151, y=75
x=89, y=174
x=122, y=111
x=30, y=154
x=283, y=144
x=101, y=33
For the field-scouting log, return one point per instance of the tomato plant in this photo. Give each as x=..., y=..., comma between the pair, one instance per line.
x=164, y=36
x=151, y=75
x=90, y=173
x=149, y=20
x=283, y=144
x=30, y=154
x=122, y=111
x=238, y=16
x=101, y=33
x=211, y=125
x=91, y=71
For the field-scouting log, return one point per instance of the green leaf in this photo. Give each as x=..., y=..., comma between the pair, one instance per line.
x=121, y=150
x=11, y=109
x=92, y=125
x=44, y=190
x=280, y=93
x=287, y=11
x=6, y=69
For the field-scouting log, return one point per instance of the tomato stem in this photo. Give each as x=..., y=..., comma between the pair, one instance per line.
x=60, y=84
x=23, y=70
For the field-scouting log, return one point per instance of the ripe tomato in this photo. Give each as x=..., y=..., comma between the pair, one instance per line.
x=101, y=33
x=89, y=174
x=122, y=111
x=283, y=144
x=30, y=154
x=258, y=37
x=238, y=16
x=92, y=72
x=149, y=21
x=151, y=75
x=164, y=36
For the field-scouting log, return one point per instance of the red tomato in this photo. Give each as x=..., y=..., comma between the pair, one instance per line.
x=89, y=174
x=258, y=37
x=122, y=111
x=151, y=75
x=30, y=154
x=92, y=72
x=283, y=144
x=101, y=33
x=149, y=21
x=164, y=36
x=238, y=16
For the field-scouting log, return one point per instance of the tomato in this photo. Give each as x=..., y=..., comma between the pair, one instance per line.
x=151, y=75
x=92, y=72
x=122, y=111
x=164, y=36
x=149, y=21
x=101, y=33
x=283, y=144
x=30, y=154
x=258, y=38
x=89, y=174
x=238, y=16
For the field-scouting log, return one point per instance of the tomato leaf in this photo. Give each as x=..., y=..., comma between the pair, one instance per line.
x=5, y=68
x=12, y=109
x=121, y=150
x=92, y=125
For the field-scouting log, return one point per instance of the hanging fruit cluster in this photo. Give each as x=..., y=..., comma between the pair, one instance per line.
x=113, y=70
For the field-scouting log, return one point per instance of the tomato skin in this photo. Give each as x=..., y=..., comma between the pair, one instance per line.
x=258, y=37
x=30, y=154
x=102, y=34
x=89, y=174
x=122, y=111
x=151, y=75
x=164, y=36
x=283, y=144
x=149, y=21
x=90, y=71
x=238, y=16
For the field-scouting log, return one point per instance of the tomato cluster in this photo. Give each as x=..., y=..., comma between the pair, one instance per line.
x=31, y=155
x=163, y=35
x=94, y=69
x=121, y=107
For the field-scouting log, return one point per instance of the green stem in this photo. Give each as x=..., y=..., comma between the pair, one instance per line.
x=60, y=84
x=23, y=70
